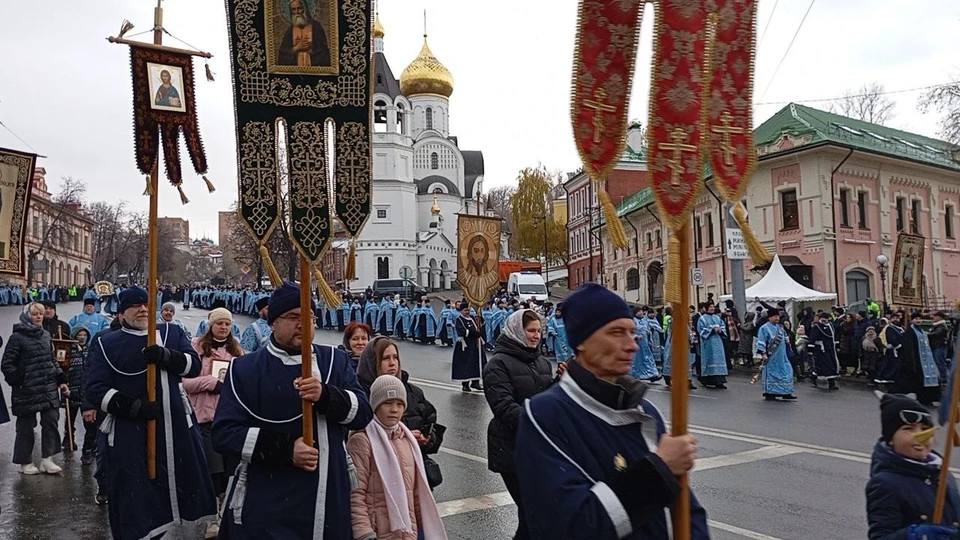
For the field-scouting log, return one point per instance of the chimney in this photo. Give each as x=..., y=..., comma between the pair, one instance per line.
x=635, y=137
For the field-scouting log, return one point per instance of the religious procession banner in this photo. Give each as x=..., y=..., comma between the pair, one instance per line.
x=907, y=278
x=303, y=67
x=478, y=256
x=16, y=181
x=164, y=107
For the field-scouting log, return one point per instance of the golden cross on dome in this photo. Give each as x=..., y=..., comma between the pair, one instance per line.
x=678, y=147
x=599, y=106
x=726, y=128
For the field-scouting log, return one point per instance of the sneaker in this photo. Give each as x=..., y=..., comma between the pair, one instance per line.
x=48, y=466
x=790, y=397
x=29, y=469
x=101, y=498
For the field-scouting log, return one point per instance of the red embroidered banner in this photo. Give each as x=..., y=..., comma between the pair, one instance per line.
x=678, y=92
x=733, y=157
x=606, y=48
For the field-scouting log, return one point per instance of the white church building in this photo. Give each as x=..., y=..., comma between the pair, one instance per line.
x=421, y=177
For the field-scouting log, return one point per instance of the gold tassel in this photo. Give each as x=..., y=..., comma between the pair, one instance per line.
x=671, y=290
x=758, y=254
x=351, y=273
x=206, y=66
x=148, y=191
x=271, y=269
x=210, y=188
x=618, y=237
x=326, y=293
x=183, y=196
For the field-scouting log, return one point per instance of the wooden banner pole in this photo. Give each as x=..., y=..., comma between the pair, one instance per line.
x=306, y=347
x=951, y=440
x=152, y=276
x=679, y=385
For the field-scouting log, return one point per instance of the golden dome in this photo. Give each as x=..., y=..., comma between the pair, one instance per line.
x=435, y=209
x=378, y=31
x=426, y=75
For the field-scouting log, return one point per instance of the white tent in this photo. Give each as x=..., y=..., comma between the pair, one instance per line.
x=777, y=285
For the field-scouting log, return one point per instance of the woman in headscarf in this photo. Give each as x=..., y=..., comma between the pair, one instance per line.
x=872, y=352
x=516, y=371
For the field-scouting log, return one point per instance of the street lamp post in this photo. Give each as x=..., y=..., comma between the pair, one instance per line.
x=882, y=261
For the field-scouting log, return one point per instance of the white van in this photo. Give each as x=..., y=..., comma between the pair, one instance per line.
x=527, y=285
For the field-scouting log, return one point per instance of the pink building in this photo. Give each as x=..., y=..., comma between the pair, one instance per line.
x=829, y=195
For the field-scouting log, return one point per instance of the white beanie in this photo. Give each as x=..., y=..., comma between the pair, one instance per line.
x=219, y=314
x=385, y=388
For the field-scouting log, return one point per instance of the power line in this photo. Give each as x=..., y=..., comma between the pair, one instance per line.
x=18, y=137
x=786, y=52
x=767, y=26
x=884, y=93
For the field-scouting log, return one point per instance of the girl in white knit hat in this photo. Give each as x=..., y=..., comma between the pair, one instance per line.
x=392, y=499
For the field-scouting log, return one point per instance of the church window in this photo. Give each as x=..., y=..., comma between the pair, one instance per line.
x=948, y=221
x=383, y=267
x=380, y=117
x=659, y=239
x=379, y=78
x=36, y=226
x=862, y=210
x=434, y=161
x=915, y=217
x=381, y=213
x=429, y=118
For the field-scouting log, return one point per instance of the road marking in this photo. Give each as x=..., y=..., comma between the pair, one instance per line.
x=443, y=386
x=503, y=498
x=749, y=456
x=464, y=455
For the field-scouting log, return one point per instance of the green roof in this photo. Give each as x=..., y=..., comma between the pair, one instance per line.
x=638, y=200
x=816, y=127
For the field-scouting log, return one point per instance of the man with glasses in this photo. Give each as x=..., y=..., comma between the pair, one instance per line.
x=284, y=488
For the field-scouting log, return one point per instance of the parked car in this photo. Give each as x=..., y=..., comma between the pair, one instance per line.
x=528, y=285
x=404, y=288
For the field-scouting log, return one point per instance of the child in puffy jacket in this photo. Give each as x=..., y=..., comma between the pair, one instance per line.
x=391, y=499
x=904, y=474
x=78, y=378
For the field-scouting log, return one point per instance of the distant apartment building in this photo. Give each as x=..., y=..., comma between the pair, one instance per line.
x=178, y=228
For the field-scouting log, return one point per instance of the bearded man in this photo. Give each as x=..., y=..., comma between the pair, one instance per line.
x=304, y=44
x=181, y=493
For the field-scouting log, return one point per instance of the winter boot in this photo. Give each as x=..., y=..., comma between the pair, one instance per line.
x=832, y=384
x=48, y=466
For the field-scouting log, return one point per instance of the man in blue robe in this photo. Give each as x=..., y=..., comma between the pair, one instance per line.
x=656, y=337
x=385, y=320
x=92, y=295
x=713, y=356
x=489, y=319
x=643, y=364
x=597, y=461
x=918, y=369
x=687, y=353
x=425, y=324
x=343, y=314
x=445, y=331
x=257, y=335
x=557, y=333
x=283, y=488
x=776, y=371
x=356, y=312
x=822, y=344
x=181, y=493
x=371, y=313
x=89, y=318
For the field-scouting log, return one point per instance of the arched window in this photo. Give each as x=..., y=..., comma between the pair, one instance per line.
x=400, y=119
x=633, y=279
x=615, y=281
x=429, y=118
x=858, y=286
x=380, y=116
x=655, y=283
x=434, y=161
x=383, y=267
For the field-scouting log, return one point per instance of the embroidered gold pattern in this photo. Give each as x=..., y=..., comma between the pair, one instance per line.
x=678, y=147
x=353, y=176
x=258, y=178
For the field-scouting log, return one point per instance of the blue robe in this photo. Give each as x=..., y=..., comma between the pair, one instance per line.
x=713, y=359
x=283, y=502
x=385, y=319
x=656, y=339
x=777, y=373
x=489, y=322
x=668, y=355
x=643, y=365
x=356, y=313
x=93, y=322
x=140, y=507
x=371, y=314
x=402, y=325
x=446, y=332
x=343, y=316
x=256, y=336
x=424, y=324
x=570, y=442
x=557, y=334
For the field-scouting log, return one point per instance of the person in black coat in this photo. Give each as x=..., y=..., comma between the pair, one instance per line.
x=516, y=372
x=30, y=368
x=52, y=324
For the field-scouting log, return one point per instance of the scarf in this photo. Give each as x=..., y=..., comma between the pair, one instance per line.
x=25, y=320
x=868, y=343
x=513, y=327
x=394, y=489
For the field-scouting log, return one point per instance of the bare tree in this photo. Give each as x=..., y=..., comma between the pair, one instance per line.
x=945, y=100
x=68, y=199
x=869, y=104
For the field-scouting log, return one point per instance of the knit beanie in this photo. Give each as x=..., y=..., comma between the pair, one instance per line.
x=131, y=297
x=590, y=308
x=219, y=314
x=170, y=305
x=891, y=419
x=387, y=387
x=262, y=302
x=284, y=298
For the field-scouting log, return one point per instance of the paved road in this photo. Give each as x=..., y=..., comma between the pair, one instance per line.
x=767, y=470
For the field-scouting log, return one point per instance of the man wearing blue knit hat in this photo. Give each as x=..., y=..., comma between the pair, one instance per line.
x=596, y=461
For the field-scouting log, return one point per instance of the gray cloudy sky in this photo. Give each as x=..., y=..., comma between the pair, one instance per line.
x=67, y=92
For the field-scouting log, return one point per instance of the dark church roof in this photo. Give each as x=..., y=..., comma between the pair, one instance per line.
x=384, y=81
x=472, y=169
x=424, y=184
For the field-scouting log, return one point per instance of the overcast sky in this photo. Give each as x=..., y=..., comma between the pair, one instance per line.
x=67, y=92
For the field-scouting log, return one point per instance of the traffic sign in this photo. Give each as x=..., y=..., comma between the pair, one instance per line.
x=736, y=246
x=696, y=277
x=406, y=272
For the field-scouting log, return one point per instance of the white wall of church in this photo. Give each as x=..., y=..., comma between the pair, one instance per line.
x=438, y=119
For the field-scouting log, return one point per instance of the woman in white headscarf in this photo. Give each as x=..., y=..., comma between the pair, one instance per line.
x=516, y=372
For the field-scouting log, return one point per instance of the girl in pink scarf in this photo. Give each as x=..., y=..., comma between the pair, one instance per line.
x=392, y=500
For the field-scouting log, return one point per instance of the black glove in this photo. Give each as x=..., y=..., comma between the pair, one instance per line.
x=149, y=410
x=273, y=448
x=132, y=408
x=166, y=359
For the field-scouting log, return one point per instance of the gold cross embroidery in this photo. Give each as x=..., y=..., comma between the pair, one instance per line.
x=726, y=129
x=599, y=107
x=678, y=147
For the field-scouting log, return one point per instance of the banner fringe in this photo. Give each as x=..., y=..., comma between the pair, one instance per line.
x=671, y=290
x=326, y=293
x=618, y=237
x=271, y=269
x=183, y=196
x=758, y=254
x=210, y=187
x=148, y=191
x=351, y=273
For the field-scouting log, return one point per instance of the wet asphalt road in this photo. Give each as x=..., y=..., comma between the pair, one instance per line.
x=766, y=470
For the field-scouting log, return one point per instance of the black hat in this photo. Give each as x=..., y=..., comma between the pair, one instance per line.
x=262, y=303
x=132, y=296
x=89, y=301
x=898, y=410
x=916, y=315
x=591, y=308
x=49, y=303
x=218, y=304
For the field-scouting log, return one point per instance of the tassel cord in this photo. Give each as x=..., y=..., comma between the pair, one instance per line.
x=272, y=273
x=758, y=254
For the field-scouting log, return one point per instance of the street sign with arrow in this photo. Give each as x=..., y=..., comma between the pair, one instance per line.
x=736, y=246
